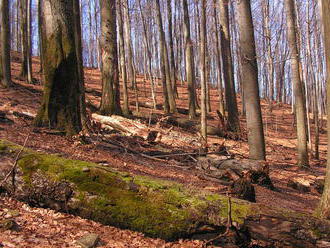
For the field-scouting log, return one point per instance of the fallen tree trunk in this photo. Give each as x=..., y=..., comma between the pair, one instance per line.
x=155, y=207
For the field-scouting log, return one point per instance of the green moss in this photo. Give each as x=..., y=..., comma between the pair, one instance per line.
x=155, y=207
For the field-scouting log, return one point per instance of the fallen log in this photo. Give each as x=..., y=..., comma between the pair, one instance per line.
x=232, y=169
x=158, y=208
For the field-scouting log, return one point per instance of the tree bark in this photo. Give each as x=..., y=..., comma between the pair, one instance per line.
x=249, y=69
x=5, y=67
x=122, y=58
x=61, y=101
x=169, y=101
x=228, y=69
x=110, y=101
x=203, y=74
x=297, y=85
x=324, y=206
x=190, y=64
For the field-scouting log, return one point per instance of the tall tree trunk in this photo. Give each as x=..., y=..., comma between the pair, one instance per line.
x=166, y=77
x=40, y=33
x=203, y=74
x=122, y=58
x=297, y=84
x=170, y=47
x=147, y=47
x=5, y=68
x=29, y=42
x=24, y=38
x=78, y=44
x=249, y=69
x=324, y=206
x=127, y=33
x=218, y=59
x=60, y=107
x=110, y=101
x=190, y=67
x=228, y=68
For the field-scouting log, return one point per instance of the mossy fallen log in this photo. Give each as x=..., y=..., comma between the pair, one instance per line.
x=158, y=208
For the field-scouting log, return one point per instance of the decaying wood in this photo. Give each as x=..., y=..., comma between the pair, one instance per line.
x=152, y=209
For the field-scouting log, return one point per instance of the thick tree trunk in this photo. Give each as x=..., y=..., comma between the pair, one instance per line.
x=228, y=69
x=158, y=208
x=190, y=67
x=5, y=68
x=61, y=101
x=110, y=101
x=324, y=206
x=297, y=85
x=250, y=83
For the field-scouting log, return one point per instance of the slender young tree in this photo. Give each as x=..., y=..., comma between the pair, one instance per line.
x=60, y=107
x=110, y=101
x=300, y=107
x=228, y=69
x=249, y=69
x=170, y=47
x=324, y=206
x=165, y=67
x=190, y=67
x=5, y=68
x=122, y=58
x=203, y=73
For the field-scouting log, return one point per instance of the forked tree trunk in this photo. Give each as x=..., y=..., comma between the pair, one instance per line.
x=249, y=69
x=297, y=84
x=5, y=68
x=324, y=206
x=60, y=105
x=228, y=69
x=110, y=101
x=190, y=69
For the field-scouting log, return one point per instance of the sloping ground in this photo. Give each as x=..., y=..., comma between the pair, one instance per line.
x=280, y=139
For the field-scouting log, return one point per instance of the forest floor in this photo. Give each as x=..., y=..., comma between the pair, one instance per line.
x=49, y=229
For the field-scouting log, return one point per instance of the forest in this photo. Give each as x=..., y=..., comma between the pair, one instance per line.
x=164, y=123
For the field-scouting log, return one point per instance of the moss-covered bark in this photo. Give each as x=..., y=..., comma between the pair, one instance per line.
x=60, y=107
x=158, y=208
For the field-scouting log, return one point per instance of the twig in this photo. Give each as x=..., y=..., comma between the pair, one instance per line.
x=13, y=169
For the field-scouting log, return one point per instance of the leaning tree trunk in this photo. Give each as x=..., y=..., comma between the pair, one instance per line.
x=5, y=73
x=297, y=84
x=228, y=68
x=190, y=69
x=249, y=69
x=324, y=206
x=60, y=105
x=110, y=101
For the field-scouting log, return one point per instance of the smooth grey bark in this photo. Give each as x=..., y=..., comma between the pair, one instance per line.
x=126, y=110
x=5, y=67
x=228, y=68
x=324, y=205
x=203, y=73
x=189, y=57
x=249, y=69
x=300, y=107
